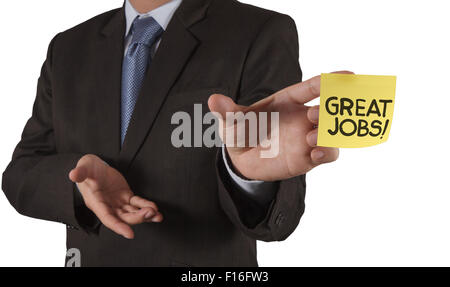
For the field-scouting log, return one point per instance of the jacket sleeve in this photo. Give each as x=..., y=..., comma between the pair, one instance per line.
x=272, y=64
x=36, y=181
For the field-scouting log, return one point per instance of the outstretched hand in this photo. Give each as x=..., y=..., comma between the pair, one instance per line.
x=298, y=152
x=106, y=192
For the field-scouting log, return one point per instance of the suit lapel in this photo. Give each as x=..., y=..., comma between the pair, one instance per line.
x=110, y=57
x=175, y=50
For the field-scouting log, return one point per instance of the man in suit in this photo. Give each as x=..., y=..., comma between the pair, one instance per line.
x=97, y=156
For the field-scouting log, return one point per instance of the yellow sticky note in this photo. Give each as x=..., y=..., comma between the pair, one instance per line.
x=355, y=110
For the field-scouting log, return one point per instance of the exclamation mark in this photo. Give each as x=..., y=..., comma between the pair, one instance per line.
x=385, y=128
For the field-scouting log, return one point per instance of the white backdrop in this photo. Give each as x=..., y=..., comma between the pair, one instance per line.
x=387, y=205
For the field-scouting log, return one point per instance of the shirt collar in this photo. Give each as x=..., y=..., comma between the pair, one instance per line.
x=162, y=14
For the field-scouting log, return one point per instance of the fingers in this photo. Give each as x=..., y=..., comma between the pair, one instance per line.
x=137, y=217
x=120, y=220
x=313, y=114
x=111, y=221
x=139, y=202
x=129, y=208
x=306, y=91
x=157, y=218
x=322, y=155
x=116, y=225
x=343, y=72
x=303, y=92
x=311, y=138
x=319, y=155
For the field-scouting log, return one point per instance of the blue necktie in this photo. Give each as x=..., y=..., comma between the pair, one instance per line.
x=145, y=32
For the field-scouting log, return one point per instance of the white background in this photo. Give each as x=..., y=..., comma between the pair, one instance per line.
x=387, y=205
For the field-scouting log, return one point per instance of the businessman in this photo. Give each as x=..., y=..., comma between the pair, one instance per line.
x=96, y=154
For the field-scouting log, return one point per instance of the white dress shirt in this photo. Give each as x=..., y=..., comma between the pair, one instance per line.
x=261, y=191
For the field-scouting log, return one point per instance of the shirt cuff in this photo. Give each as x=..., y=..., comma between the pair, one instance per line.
x=261, y=191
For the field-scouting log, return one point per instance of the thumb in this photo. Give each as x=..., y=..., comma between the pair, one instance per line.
x=222, y=105
x=78, y=174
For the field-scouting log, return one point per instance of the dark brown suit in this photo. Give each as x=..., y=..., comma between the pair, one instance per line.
x=210, y=46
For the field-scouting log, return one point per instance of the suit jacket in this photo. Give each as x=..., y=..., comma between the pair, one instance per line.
x=210, y=46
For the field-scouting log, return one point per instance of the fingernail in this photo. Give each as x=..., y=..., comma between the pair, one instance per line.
x=314, y=114
x=156, y=219
x=312, y=139
x=148, y=215
x=319, y=154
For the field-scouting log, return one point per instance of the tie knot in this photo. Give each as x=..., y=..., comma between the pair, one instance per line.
x=146, y=31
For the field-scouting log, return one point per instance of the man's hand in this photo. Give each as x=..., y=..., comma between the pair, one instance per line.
x=298, y=150
x=106, y=192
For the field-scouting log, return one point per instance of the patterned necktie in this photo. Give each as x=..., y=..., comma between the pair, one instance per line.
x=145, y=32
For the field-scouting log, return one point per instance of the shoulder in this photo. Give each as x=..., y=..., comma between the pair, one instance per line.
x=247, y=16
x=89, y=28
